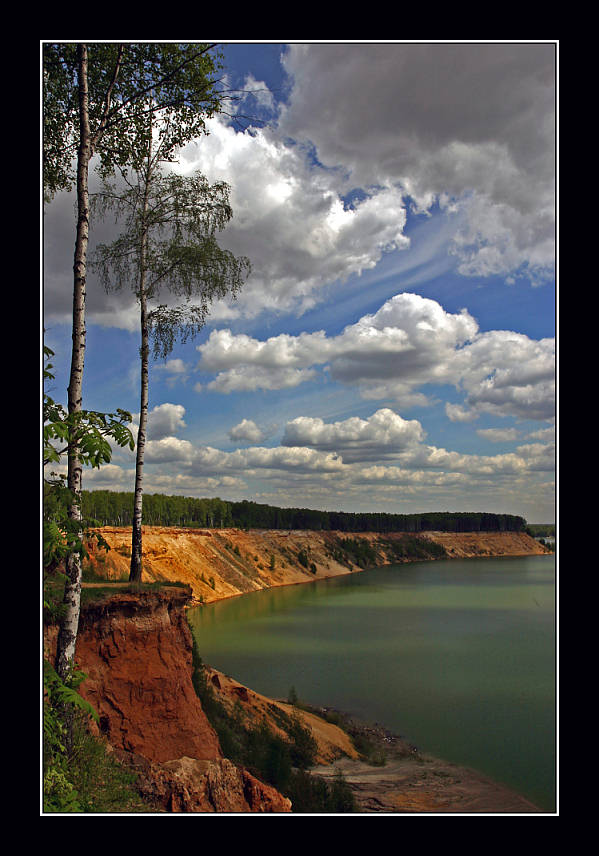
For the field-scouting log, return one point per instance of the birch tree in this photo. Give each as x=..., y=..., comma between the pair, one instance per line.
x=95, y=100
x=169, y=243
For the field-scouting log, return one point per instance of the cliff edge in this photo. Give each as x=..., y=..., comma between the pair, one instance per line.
x=221, y=563
x=136, y=650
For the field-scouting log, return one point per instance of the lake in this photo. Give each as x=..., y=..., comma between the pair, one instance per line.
x=456, y=656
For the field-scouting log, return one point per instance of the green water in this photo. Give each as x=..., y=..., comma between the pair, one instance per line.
x=457, y=656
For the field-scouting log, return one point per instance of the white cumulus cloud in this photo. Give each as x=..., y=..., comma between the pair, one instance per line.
x=246, y=431
x=383, y=433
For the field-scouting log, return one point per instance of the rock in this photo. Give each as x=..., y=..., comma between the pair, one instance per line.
x=192, y=785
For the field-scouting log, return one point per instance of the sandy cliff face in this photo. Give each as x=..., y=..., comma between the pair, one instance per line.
x=220, y=563
x=332, y=743
x=136, y=650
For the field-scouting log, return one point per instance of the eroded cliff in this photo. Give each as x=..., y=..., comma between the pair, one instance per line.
x=220, y=563
x=136, y=650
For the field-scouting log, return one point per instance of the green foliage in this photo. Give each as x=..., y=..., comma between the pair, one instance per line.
x=181, y=80
x=341, y=798
x=413, y=547
x=541, y=530
x=79, y=774
x=308, y=793
x=88, y=431
x=113, y=508
x=253, y=515
x=59, y=693
x=280, y=762
x=368, y=750
x=59, y=792
x=169, y=241
x=311, y=794
x=303, y=746
x=303, y=559
x=85, y=429
x=356, y=551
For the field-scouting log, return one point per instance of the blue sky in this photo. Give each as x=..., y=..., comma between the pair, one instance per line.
x=393, y=348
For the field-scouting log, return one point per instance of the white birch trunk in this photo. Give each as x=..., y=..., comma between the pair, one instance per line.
x=136, y=534
x=67, y=637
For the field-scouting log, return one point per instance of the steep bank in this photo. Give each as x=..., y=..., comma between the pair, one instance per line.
x=403, y=779
x=131, y=695
x=221, y=563
x=136, y=650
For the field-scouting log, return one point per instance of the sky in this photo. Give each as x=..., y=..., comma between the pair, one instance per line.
x=394, y=346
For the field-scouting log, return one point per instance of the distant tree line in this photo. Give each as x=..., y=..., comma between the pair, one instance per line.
x=252, y=515
x=110, y=508
x=541, y=530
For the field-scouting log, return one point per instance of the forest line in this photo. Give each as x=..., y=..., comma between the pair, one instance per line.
x=112, y=508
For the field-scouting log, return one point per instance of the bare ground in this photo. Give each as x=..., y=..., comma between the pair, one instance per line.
x=411, y=782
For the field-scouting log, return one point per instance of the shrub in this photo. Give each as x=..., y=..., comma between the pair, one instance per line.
x=272, y=759
x=80, y=775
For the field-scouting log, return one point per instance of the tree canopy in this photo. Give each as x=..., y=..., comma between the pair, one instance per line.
x=178, y=82
x=112, y=508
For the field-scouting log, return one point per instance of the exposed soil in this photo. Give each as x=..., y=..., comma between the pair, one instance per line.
x=222, y=563
x=333, y=742
x=411, y=782
x=217, y=564
x=402, y=779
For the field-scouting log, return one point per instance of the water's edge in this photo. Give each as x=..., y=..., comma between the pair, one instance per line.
x=249, y=610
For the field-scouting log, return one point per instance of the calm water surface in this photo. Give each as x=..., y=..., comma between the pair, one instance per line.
x=457, y=656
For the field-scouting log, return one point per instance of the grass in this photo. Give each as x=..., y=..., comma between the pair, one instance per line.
x=95, y=588
x=90, y=776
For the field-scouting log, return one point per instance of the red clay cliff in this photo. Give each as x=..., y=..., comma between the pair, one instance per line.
x=136, y=650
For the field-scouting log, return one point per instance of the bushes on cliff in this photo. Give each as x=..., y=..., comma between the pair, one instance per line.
x=279, y=762
x=79, y=774
x=414, y=547
x=312, y=794
x=356, y=551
